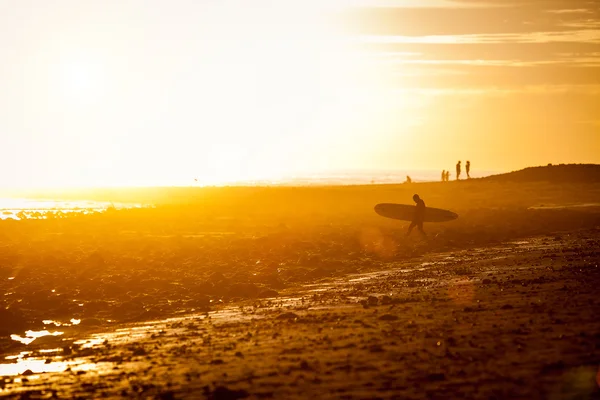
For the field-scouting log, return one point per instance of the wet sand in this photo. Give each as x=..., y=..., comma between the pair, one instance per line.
x=327, y=301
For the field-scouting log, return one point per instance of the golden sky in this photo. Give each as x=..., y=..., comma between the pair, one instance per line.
x=150, y=92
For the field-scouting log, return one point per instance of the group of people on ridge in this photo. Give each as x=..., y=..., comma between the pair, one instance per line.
x=446, y=174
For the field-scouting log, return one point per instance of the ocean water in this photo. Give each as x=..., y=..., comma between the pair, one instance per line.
x=18, y=208
x=23, y=208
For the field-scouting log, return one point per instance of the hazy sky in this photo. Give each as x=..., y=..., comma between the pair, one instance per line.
x=146, y=92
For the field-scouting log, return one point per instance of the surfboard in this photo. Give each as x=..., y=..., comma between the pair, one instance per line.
x=406, y=212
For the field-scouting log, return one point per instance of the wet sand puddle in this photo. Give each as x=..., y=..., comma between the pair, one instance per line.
x=565, y=206
x=102, y=359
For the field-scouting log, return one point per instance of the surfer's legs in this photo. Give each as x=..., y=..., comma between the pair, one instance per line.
x=419, y=225
x=411, y=227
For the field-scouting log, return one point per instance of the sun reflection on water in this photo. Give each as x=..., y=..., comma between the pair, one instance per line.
x=29, y=364
x=72, y=322
x=30, y=336
x=18, y=209
x=35, y=365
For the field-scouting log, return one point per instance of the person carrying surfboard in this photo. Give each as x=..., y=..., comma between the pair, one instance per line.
x=418, y=217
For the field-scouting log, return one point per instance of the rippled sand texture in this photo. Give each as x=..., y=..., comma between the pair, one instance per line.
x=244, y=295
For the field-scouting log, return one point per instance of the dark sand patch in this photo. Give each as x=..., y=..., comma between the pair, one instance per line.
x=512, y=321
x=306, y=292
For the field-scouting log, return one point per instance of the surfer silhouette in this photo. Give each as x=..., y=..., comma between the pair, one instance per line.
x=458, y=171
x=468, y=169
x=418, y=217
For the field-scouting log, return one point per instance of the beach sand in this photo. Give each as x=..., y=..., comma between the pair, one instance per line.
x=284, y=292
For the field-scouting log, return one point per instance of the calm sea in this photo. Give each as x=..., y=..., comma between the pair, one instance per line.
x=23, y=208
x=15, y=208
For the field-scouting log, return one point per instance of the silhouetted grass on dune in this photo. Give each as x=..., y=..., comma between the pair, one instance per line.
x=581, y=173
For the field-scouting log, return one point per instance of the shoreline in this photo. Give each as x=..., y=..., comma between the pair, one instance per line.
x=180, y=195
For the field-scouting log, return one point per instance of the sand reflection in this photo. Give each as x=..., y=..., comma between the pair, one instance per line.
x=35, y=365
x=29, y=364
x=30, y=336
x=72, y=322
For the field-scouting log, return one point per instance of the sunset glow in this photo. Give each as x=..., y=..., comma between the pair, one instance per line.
x=150, y=93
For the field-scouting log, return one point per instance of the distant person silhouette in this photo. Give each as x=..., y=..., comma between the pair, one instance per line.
x=468, y=169
x=408, y=180
x=443, y=175
x=419, y=216
x=458, y=171
x=447, y=176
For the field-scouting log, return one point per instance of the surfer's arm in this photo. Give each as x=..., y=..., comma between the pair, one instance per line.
x=419, y=212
